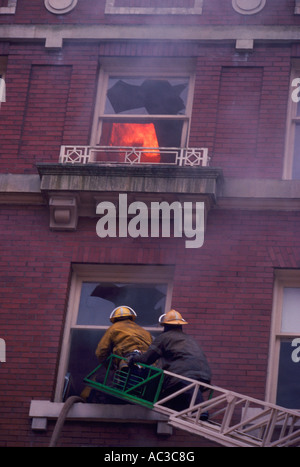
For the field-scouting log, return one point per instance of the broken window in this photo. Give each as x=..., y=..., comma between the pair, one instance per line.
x=92, y=299
x=149, y=106
x=143, y=112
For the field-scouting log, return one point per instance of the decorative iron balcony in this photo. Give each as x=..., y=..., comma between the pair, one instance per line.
x=133, y=155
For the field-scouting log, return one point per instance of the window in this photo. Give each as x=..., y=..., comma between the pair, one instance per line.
x=139, y=107
x=292, y=146
x=284, y=378
x=95, y=292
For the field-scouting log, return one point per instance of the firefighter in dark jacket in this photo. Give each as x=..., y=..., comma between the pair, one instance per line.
x=178, y=353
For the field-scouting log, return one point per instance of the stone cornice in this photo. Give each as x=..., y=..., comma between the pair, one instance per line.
x=75, y=190
x=54, y=35
x=231, y=193
x=128, y=170
x=160, y=178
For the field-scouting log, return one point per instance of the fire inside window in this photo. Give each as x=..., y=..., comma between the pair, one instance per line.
x=145, y=113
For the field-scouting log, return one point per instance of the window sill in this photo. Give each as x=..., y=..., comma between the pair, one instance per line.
x=41, y=411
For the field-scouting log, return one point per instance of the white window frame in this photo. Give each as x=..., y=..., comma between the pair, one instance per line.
x=140, y=67
x=283, y=278
x=108, y=273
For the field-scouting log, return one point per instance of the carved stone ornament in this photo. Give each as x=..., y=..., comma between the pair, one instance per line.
x=60, y=7
x=63, y=212
x=248, y=7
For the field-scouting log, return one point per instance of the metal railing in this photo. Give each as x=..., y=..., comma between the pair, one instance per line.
x=142, y=387
x=225, y=417
x=235, y=420
x=133, y=155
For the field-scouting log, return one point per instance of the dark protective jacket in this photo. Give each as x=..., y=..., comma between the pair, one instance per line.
x=121, y=338
x=178, y=353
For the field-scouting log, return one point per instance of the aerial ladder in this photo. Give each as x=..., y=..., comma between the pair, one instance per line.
x=225, y=417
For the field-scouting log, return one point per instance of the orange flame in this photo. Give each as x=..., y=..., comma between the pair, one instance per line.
x=136, y=135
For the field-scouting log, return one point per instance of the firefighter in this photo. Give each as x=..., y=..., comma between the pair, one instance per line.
x=123, y=337
x=178, y=353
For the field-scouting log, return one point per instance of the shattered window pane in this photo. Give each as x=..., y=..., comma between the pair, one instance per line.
x=140, y=96
x=98, y=300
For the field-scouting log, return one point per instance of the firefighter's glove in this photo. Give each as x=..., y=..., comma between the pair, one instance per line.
x=132, y=360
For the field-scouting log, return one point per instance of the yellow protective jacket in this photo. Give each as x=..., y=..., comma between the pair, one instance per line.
x=121, y=338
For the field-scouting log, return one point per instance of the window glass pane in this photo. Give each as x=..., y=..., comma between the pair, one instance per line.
x=99, y=299
x=141, y=96
x=288, y=394
x=296, y=159
x=290, y=321
x=93, y=310
x=82, y=359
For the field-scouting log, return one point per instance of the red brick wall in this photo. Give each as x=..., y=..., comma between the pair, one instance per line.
x=50, y=101
x=215, y=12
x=238, y=118
x=51, y=98
x=239, y=110
x=45, y=113
x=224, y=289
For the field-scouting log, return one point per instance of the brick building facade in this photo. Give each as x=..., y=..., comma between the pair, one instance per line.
x=232, y=64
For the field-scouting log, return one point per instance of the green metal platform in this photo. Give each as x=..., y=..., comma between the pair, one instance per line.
x=139, y=384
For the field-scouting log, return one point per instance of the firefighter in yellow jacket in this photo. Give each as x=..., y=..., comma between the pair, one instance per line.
x=124, y=336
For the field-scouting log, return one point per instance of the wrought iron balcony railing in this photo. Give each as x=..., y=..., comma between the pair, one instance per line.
x=133, y=155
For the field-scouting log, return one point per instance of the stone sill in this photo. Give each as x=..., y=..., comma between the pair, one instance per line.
x=42, y=410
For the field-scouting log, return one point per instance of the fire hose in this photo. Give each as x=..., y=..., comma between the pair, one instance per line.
x=61, y=419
